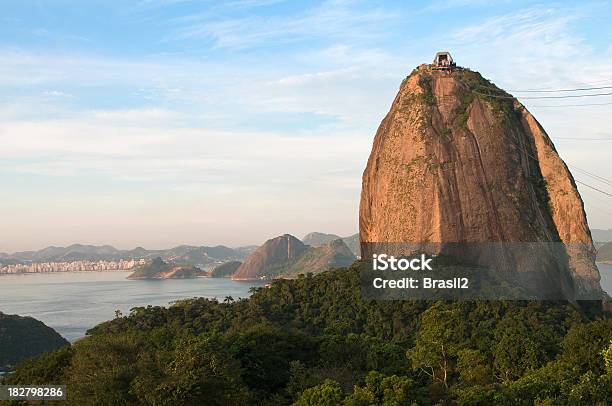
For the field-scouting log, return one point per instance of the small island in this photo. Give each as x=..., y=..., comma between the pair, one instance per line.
x=159, y=269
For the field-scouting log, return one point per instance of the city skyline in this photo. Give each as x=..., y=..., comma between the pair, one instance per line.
x=168, y=122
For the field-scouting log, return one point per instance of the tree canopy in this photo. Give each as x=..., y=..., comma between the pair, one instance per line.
x=315, y=341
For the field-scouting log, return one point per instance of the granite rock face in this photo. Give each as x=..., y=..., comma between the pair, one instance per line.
x=459, y=161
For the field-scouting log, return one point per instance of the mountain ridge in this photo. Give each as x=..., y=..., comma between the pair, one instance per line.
x=186, y=254
x=316, y=239
x=286, y=257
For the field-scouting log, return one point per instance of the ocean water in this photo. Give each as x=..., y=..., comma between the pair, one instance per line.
x=73, y=302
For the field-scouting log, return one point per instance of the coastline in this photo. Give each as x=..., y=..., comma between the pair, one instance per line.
x=72, y=303
x=65, y=272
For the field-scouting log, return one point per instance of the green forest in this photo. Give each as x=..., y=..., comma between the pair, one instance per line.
x=314, y=341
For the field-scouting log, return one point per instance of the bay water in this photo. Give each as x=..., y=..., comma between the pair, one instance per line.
x=73, y=302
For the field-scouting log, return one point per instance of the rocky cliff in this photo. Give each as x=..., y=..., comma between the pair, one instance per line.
x=459, y=161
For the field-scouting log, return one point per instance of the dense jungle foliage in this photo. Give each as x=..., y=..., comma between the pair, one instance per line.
x=314, y=341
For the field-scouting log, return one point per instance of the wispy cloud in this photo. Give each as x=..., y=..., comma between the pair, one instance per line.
x=441, y=5
x=176, y=175
x=257, y=111
x=252, y=3
x=332, y=19
x=148, y=146
x=137, y=116
x=533, y=46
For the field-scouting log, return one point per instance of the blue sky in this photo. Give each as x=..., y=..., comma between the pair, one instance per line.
x=163, y=122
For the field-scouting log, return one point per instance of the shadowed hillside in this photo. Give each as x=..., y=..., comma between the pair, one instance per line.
x=24, y=337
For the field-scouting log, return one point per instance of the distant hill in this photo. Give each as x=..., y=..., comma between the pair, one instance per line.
x=271, y=259
x=334, y=254
x=73, y=252
x=601, y=235
x=352, y=241
x=604, y=253
x=286, y=257
x=316, y=239
x=183, y=254
x=225, y=270
x=186, y=254
x=25, y=337
x=158, y=269
x=245, y=251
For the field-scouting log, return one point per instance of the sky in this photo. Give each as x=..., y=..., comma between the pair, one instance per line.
x=163, y=122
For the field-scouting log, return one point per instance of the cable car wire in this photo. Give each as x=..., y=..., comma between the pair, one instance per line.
x=576, y=105
x=545, y=97
x=578, y=89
